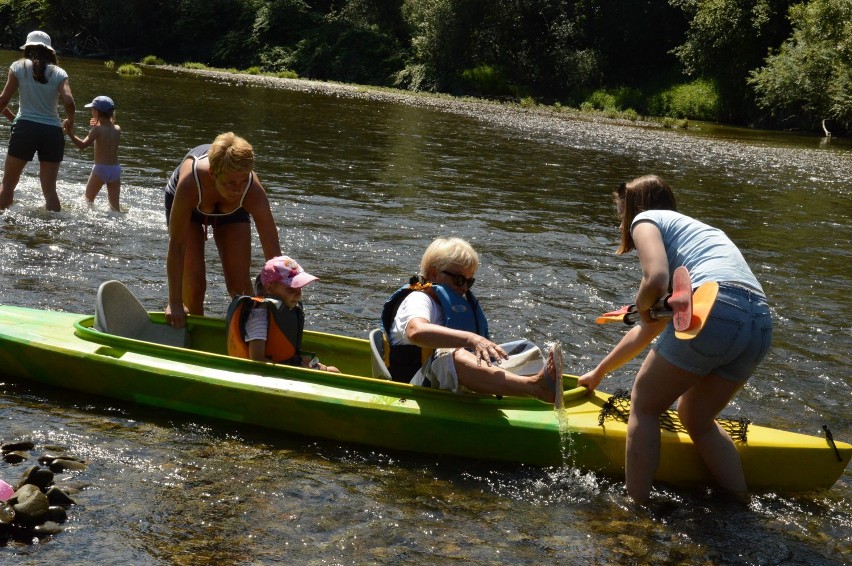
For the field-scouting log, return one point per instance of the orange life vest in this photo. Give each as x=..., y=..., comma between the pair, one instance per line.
x=284, y=334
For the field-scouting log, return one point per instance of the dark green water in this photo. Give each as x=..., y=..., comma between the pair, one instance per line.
x=359, y=188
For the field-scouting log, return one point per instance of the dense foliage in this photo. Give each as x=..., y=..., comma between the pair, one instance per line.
x=767, y=62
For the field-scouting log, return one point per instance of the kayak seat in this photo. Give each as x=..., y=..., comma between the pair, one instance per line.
x=120, y=313
x=377, y=348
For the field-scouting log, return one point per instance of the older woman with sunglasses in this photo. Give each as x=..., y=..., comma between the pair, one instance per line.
x=439, y=336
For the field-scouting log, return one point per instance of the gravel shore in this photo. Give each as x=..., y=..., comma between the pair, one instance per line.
x=537, y=117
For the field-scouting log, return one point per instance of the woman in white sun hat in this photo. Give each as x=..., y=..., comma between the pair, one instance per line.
x=39, y=82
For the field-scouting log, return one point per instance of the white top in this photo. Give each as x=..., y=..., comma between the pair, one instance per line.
x=415, y=305
x=257, y=325
x=38, y=102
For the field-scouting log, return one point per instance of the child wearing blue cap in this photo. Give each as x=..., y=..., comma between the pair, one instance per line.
x=105, y=135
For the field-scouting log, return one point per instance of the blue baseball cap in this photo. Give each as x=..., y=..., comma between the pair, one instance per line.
x=102, y=103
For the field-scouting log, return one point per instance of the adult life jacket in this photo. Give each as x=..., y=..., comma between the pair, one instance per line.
x=283, y=338
x=460, y=313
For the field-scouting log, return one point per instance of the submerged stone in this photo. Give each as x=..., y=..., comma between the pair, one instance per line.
x=7, y=514
x=19, y=445
x=62, y=464
x=30, y=504
x=58, y=497
x=15, y=457
x=37, y=476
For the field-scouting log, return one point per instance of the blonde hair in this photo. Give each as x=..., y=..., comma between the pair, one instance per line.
x=230, y=152
x=444, y=252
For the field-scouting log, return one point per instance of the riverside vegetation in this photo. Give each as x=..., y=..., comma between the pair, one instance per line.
x=769, y=63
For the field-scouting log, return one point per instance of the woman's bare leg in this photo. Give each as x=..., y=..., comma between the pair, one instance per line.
x=48, y=174
x=658, y=385
x=12, y=169
x=698, y=409
x=234, y=244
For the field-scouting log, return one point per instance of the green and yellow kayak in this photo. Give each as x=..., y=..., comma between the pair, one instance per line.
x=64, y=350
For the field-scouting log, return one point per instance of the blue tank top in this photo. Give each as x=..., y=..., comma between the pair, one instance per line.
x=707, y=252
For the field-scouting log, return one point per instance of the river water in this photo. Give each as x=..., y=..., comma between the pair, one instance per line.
x=359, y=187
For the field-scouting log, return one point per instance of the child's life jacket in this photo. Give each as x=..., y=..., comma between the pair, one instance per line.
x=284, y=334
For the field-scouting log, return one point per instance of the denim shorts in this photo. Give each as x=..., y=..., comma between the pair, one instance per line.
x=28, y=138
x=732, y=343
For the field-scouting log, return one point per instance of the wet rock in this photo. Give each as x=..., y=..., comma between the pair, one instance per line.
x=15, y=457
x=37, y=476
x=47, y=528
x=62, y=464
x=39, y=507
x=56, y=496
x=48, y=458
x=20, y=445
x=30, y=504
x=7, y=514
x=57, y=513
x=71, y=487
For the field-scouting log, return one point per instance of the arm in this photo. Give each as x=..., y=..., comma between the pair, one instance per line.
x=257, y=205
x=179, y=224
x=425, y=334
x=68, y=103
x=633, y=343
x=654, y=285
x=655, y=267
x=9, y=90
x=257, y=350
x=81, y=143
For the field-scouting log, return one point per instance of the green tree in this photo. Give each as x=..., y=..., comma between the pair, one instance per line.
x=726, y=39
x=810, y=78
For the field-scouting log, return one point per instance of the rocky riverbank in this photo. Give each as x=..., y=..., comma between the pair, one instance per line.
x=531, y=116
x=36, y=505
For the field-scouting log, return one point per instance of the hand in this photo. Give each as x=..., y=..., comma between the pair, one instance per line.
x=646, y=317
x=68, y=128
x=176, y=318
x=590, y=380
x=485, y=350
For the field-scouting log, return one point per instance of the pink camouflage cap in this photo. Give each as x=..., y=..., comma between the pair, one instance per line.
x=284, y=269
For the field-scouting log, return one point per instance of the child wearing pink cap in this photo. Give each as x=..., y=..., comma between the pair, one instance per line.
x=269, y=327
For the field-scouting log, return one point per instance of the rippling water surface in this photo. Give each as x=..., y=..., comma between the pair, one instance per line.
x=359, y=187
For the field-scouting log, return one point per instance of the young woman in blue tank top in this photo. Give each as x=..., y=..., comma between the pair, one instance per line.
x=702, y=374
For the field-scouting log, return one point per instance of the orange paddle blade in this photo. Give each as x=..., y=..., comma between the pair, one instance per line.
x=702, y=303
x=680, y=301
x=614, y=316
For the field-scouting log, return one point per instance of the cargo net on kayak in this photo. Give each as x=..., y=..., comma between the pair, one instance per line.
x=617, y=408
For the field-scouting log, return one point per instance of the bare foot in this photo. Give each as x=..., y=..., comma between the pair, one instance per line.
x=550, y=377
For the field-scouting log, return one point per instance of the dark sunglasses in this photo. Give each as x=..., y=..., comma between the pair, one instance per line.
x=460, y=280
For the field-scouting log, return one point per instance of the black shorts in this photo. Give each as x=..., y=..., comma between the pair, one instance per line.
x=239, y=215
x=28, y=138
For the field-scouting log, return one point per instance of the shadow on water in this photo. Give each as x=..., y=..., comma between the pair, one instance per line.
x=358, y=189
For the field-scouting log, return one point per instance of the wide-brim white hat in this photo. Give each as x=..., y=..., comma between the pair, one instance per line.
x=37, y=38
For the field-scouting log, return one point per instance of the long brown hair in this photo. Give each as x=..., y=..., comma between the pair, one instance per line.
x=648, y=192
x=41, y=57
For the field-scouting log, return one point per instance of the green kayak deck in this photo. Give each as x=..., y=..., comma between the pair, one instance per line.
x=64, y=350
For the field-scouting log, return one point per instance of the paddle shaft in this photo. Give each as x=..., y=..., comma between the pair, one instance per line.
x=659, y=311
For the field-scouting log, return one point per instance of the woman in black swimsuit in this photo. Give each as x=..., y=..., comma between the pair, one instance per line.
x=214, y=186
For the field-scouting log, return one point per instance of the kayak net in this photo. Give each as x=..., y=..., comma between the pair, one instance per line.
x=617, y=408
